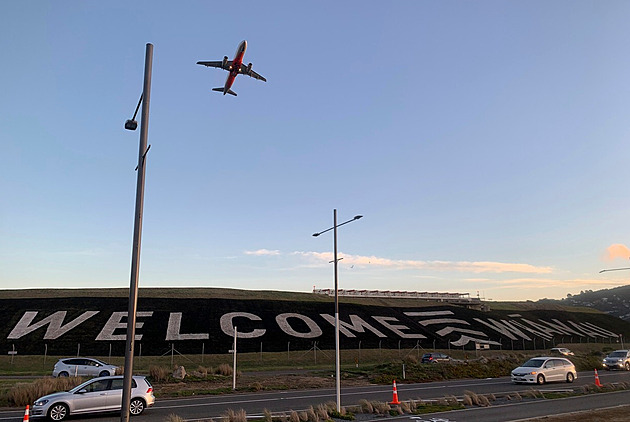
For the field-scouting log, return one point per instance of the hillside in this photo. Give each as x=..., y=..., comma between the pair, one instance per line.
x=195, y=320
x=614, y=301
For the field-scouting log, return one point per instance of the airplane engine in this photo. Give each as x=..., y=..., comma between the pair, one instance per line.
x=249, y=68
x=224, y=64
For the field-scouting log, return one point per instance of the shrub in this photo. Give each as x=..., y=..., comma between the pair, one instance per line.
x=366, y=406
x=224, y=369
x=173, y=418
x=294, y=417
x=159, y=373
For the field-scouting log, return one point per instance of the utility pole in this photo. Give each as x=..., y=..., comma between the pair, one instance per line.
x=137, y=235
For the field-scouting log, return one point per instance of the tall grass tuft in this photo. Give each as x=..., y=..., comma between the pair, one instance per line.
x=322, y=412
x=26, y=393
x=366, y=406
x=267, y=416
x=159, y=373
x=173, y=418
x=474, y=398
x=235, y=416
x=224, y=369
x=294, y=417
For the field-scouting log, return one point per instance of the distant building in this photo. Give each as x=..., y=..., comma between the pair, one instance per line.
x=455, y=298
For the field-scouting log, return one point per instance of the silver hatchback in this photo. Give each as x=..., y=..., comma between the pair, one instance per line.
x=96, y=395
x=545, y=369
x=83, y=367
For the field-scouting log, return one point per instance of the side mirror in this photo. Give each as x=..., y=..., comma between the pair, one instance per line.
x=82, y=391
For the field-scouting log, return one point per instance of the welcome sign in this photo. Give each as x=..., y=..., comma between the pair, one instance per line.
x=192, y=325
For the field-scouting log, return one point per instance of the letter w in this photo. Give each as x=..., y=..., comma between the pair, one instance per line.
x=55, y=328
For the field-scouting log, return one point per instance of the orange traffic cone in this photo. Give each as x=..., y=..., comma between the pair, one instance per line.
x=597, y=383
x=26, y=414
x=395, y=399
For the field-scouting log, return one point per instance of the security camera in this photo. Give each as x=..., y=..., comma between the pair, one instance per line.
x=131, y=125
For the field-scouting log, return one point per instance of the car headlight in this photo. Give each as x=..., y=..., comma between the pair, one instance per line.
x=41, y=402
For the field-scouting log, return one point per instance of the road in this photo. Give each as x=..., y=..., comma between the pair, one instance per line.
x=205, y=407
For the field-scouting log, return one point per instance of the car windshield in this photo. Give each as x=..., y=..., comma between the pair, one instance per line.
x=617, y=355
x=533, y=363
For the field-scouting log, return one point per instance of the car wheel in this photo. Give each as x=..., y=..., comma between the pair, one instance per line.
x=63, y=374
x=540, y=379
x=104, y=374
x=570, y=377
x=136, y=407
x=58, y=412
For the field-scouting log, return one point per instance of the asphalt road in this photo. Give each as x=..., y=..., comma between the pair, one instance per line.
x=204, y=407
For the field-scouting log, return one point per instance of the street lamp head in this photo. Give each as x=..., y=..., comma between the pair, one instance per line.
x=356, y=217
x=316, y=234
x=131, y=125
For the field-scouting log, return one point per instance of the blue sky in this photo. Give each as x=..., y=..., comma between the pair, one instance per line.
x=486, y=144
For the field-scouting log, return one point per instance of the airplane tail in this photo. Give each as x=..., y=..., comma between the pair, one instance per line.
x=229, y=91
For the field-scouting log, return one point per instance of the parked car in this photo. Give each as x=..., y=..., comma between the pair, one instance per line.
x=96, y=395
x=435, y=358
x=562, y=351
x=619, y=359
x=545, y=369
x=82, y=367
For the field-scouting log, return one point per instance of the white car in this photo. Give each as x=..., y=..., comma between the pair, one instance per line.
x=562, y=351
x=96, y=395
x=545, y=369
x=83, y=367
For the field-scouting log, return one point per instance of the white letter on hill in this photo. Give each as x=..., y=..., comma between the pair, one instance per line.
x=174, y=325
x=54, y=321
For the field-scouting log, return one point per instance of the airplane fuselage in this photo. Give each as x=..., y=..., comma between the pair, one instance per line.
x=236, y=66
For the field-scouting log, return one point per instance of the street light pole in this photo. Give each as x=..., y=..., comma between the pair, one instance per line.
x=137, y=235
x=337, y=351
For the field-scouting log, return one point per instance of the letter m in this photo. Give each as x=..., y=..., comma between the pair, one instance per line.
x=54, y=322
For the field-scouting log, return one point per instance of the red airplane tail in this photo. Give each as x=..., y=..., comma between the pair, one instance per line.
x=229, y=91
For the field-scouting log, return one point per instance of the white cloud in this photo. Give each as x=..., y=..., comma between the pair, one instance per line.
x=459, y=266
x=263, y=252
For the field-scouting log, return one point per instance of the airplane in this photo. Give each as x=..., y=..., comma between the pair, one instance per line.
x=235, y=67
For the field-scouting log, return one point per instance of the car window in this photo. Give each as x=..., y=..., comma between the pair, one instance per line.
x=100, y=385
x=549, y=364
x=117, y=384
x=558, y=362
x=73, y=361
x=534, y=363
x=617, y=355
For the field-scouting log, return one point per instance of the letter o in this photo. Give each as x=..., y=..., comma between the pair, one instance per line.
x=284, y=325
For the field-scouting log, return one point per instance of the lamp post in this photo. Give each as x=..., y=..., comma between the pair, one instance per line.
x=137, y=232
x=335, y=260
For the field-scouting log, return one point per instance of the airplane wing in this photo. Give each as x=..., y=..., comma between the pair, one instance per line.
x=246, y=70
x=218, y=64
